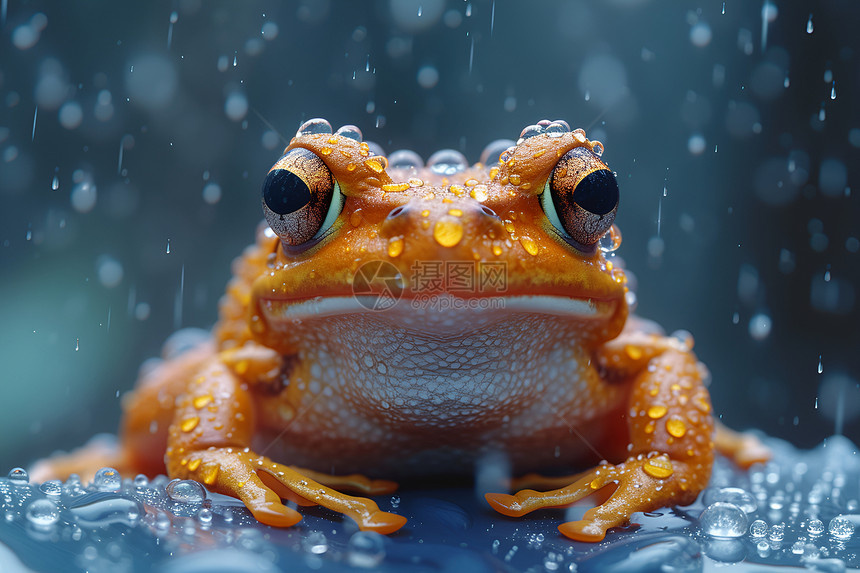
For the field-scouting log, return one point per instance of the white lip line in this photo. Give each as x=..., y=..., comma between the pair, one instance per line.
x=330, y=306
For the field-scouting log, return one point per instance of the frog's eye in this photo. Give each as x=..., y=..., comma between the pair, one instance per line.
x=581, y=196
x=301, y=199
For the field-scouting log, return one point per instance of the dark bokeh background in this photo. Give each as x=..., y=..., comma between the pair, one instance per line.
x=755, y=251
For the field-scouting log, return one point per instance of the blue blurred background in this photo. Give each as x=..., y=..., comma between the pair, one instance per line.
x=134, y=138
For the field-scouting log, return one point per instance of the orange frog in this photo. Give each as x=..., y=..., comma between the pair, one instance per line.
x=399, y=320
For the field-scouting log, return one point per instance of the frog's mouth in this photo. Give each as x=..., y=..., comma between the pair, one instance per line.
x=442, y=313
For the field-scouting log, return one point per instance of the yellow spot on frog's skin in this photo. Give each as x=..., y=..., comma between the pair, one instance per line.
x=634, y=352
x=183, y=461
x=395, y=187
x=242, y=367
x=200, y=380
x=702, y=404
x=657, y=412
x=494, y=172
x=194, y=464
x=351, y=167
x=653, y=391
x=538, y=153
x=210, y=475
x=447, y=200
x=345, y=153
x=455, y=212
x=529, y=245
x=425, y=213
x=649, y=429
x=448, y=232
x=202, y=401
x=333, y=140
x=515, y=179
x=511, y=162
x=675, y=387
x=479, y=193
x=326, y=151
x=497, y=250
x=691, y=452
x=676, y=427
x=374, y=165
x=425, y=224
x=189, y=424
x=659, y=467
x=429, y=196
x=355, y=218
x=504, y=180
x=415, y=182
x=395, y=246
x=457, y=190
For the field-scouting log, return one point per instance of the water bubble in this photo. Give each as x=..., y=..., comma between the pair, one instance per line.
x=101, y=509
x=185, y=491
x=236, y=106
x=758, y=528
x=815, y=527
x=211, y=193
x=314, y=126
x=19, y=476
x=777, y=532
x=700, y=34
x=43, y=513
x=365, y=549
x=269, y=31
x=109, y=271
x=427, y=77
x=734, y=495
x=841, y=528
x=557, y=129
x=597, y=148
x=724, y=520
x=228, y=515
x=530, y=131
x=833, y=90
x=141, y=481
x=760, y=326
x=315, y=543
x=405, y=159
x=83, y=197
x=611, y=240
x=107, y=479
x=492, y=153
x=696, y=144
x=52, y=488
x=204, y=516
x=350, y=132
x=447, y=162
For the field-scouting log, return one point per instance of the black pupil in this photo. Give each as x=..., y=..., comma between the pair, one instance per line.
x=285, y=192
x=598, y=192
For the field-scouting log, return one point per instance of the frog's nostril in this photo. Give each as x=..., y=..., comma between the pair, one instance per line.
x=397, y=211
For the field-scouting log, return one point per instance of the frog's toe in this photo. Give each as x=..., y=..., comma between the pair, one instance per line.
x=382, y=522
x=583, y=530
x=505, y=504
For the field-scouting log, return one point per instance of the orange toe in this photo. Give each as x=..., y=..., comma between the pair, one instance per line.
x=505, y=504
x=582, y=530
x=382, y=522
x=276, y=515
x=382, y=487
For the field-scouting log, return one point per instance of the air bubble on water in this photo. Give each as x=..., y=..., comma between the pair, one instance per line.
x=723, y=520
x=815, y=527
x=366, y=549
x=841, y=528
x=43, y=513
x=315, y=543
x=777, y=532
x=734, y=495
x=758, y=528
x=809, y=27
x=185, y=491
x=19, y=476
x=52, y=488
x=107, y=479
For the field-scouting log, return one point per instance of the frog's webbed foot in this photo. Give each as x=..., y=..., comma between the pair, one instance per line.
x=643, y=483
x=744, y=448
x=261, y=484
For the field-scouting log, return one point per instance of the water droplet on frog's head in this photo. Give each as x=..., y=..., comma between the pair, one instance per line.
x=365, y=549
x=43, y=513
x=350, y=132
x=185, y=491
x=52, y=488
x=107, y=479
x=507, y=154
x=447, y=162
x=19, y=476
x=557, y=128
x=611, y=240
x=405, y=159
x=530, y=131
x=597, y=148
x=723, y=520
x=494, y=150
x=314, y=126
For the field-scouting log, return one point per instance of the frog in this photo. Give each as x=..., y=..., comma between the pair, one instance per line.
x=396, y=319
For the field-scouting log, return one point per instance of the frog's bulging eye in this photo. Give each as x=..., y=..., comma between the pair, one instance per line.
x=581, y=196
x=301, y=199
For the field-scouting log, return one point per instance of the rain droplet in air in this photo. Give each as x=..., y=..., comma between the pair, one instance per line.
x=821, y=113
x=809, y=25
x=235, y=60
x=77, y=344
x=420, y=10
x=820, y=366
x=833, y=90
x=168, y=246
x=724, y=8
x=55, y=184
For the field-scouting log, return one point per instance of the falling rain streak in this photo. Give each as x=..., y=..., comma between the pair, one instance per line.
x=174, y=17
x=177, y=303
x=35, y=116
x=809, y=25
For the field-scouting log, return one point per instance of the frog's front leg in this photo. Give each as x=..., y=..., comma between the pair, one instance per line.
x=209, y=441
x=671, y=446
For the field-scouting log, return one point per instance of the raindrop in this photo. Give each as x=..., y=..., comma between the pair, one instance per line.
x=734, y=495
x=758, y=528
x=55, y=184
x=777, y=532
x=447, y=162
x=610, y=241
x=235, y=60
x=724, y=8
x=365, y=549
x=52, y=488
x=314, y=126
x=19, y=476
x=723, y=520
x=43, y=513
x=204, y=516
x=185, y=491
x=107, y=479
x=77, y=344
x=820, y=366
x=833, y=90
x=168, y=246
x=315, y=543
x=211, y=193
x=815, y=527
x=841, y=528
x=809, y=25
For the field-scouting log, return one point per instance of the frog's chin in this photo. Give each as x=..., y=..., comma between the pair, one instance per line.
x=442, y=313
